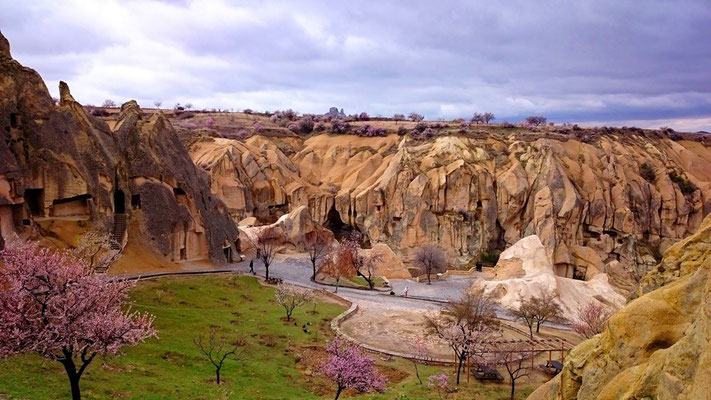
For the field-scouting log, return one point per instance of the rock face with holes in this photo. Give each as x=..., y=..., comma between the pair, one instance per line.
x=610, y=203
x=60, y=164
x=656, y=347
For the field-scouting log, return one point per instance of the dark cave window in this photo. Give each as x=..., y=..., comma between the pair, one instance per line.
x=136, y=201
x=14, y=120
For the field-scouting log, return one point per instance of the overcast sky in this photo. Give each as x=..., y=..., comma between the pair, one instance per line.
x=643, y=63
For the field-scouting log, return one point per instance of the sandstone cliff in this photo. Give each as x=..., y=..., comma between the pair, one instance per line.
x=656, y=347
x=59, y=165
x=610, y=203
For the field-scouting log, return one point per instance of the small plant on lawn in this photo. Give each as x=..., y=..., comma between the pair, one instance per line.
x=53, y=305
x=420, y=351
x=218, y=350
x=290, y=297
x=440, y=382
x=268, y=242
x=349, y=368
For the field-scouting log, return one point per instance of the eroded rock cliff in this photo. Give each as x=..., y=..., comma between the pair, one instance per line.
x=656, y=347
x=611, y=203
x=59, y=166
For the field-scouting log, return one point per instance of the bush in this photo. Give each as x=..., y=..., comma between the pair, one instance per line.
x=247, y=111
x=685, y=185
x=363, y=116
x=416, y=117
x=647, y=172
x=507, y=125
x=535, y=120
x=319, y=127
x=489, y=258
x=370, y=131
x=402, y=131
x=339, y=126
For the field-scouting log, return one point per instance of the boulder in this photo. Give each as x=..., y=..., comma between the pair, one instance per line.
x=524, y=271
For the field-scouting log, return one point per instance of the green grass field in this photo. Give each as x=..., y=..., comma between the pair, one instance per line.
x=280, y=358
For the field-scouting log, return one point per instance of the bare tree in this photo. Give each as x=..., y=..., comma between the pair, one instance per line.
x=98, y=250
x=430, y=260
x=512, y=356
x=218, y=350
x=158, y=103
x=416, y=117
x=487, y=117
x=398, y=117
x=591, y=319
x=108, y=103
x=317, y=244
x=526, y=314
x=188, y=106
x=546, y=308
x=464, y=323
x=290, y=297
x=535, y=120
x=268, y=243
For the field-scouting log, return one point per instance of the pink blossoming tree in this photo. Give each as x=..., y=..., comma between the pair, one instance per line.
x=51, y=304
x=349, y=368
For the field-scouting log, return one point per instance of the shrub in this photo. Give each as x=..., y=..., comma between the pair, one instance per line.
x=489, y=258
x=398, y=117
x=370, y=131
x=647, y=172
x=339, y=126
x=507, y=125
x=686, y=186
x=305, y=125
x=402, y=131
x=363, y=116
x=247, y=111
x=258, y=127
x=319, y=127
x=535, y=120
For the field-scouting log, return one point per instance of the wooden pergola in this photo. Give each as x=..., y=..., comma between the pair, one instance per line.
x=528, y=347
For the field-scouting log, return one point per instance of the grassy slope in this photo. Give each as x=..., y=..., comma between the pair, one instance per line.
x=279, y=366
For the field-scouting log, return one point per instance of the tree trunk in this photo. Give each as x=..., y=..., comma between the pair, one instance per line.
x=73, y=378
x=338, y=393
x=313, y=265
x=217, y=373
x=337, y=279
x=459, y=369
x=538, y=327
x=513, y=388
x=530, y=330
x=266, y=274
x=429, y=281
x=417, y=372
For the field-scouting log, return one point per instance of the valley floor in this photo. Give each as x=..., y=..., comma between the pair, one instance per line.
x=279, y=363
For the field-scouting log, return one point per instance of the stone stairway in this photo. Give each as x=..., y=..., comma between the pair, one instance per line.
x=118, y=232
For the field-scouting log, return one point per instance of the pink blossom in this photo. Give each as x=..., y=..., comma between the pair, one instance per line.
x=349, y=368
x=54, y=306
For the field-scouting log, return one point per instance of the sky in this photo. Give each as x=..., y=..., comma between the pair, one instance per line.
x=634, y=63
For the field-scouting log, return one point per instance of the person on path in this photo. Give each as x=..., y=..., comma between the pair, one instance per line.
x=251, y=267
x=405, y=291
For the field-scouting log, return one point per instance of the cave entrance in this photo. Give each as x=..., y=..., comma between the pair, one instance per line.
x=228, y=253
x=119, y=202
x=35, y=201
x=14, y=120
x=336, y=225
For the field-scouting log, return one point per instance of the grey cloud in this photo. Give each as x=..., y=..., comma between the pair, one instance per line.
x=575, y=61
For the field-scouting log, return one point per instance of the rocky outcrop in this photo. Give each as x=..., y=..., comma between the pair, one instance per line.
x=57, y=162
x=590, y=202
x=524, y=271
x=657, y=346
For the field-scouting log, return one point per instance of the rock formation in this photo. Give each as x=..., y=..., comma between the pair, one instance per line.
x=609, y=203
x=524, y=271
x=59, y=165
x=656, y=347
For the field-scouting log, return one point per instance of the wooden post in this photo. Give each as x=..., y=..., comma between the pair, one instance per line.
x=562, y=354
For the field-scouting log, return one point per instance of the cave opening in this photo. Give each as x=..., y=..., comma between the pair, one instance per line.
x=336, y=225
x=136, y=201
x=35, y=201
x=119, y=202
x=14, y=120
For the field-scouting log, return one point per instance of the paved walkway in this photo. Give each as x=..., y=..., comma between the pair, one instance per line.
x=296, y=269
